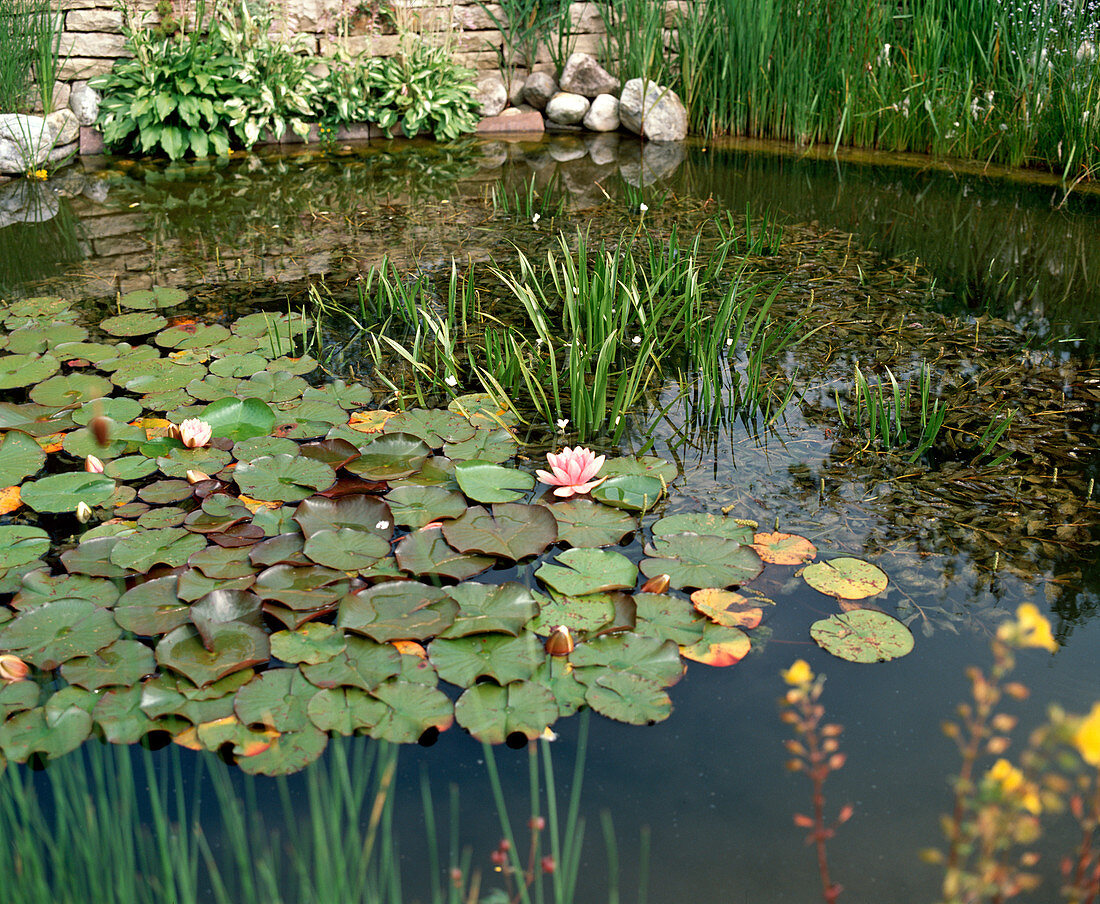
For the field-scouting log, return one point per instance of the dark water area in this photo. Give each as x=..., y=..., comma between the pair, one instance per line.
x=709, y=785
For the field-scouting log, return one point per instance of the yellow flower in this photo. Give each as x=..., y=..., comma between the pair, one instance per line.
x=1013, y=784
x=40, y=174
x=798, y=673
x=1030, y=629
x=1087, y=737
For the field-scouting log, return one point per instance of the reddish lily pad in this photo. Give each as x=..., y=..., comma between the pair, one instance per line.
x=846, y=578
x=726, y=607
x=784, y=549
x=863, y=635
x=720, y=646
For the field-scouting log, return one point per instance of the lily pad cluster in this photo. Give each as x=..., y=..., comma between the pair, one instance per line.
x=318, y=567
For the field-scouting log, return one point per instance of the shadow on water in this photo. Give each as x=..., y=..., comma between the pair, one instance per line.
x=895, y=256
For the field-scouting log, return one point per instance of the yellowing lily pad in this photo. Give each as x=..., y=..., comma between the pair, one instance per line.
x=863, y=635
x=783, y=549
x=846, y=578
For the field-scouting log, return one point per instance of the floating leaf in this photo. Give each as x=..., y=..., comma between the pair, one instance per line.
x=345, y=710
x=235, y=647
x=671, y=617
x=63, y=492
x=311, y=644
x=357, y=512
x=397, y=610
x=70, y=389
x=20, y=544
x=139, y=323
x=434, y=427
x=53, y=633
x=151, y=299
x=492, y=713
x=30, y=732
x=725, y=607
x=276, y=699
x=651, y=658
x=301, y=587
x=391, y=456
x=694, y=560
x=485, y=608
x=122, y=663
x=721, y=646
x=425, y=553
x=583, y=571
x=783, y=549
x=484, y=481
x=289, y=752
x=643, y=466
x=637, y=493
x=588, y=524
x=511, y=530
x=846, y=578
x=20, y=457
x=703, y=523
x=415, y=506
x=463, y=660
x=411, y=709
x=863, y=635
x=491, y=445
x=143, y=549
x=346, y=549
x=23, y=370
x=152, y=608
x=581, y=615
x=628, y=698
x=362, y=663
x=283, y=478
x=239, y=419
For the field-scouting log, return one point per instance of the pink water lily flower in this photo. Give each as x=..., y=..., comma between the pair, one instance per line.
x=572, y=471
x=93, y=465
x=194, y=434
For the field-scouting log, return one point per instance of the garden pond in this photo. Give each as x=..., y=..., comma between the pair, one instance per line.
x=311, y=306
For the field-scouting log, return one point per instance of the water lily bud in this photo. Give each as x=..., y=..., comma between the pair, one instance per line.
x=93, y=465
x=657, y=584
x=196, y=476
x=83, y=512
x=12, y=668
x=173, y=431
x=560, y=642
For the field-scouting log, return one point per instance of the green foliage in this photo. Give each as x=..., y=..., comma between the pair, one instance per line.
x=30, y=44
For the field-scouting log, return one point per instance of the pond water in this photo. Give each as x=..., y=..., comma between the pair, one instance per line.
x=992, y=279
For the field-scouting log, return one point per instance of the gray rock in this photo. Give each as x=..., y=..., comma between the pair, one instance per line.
x=25, y=201
x=59, y=153
x=515, y=85
x=566, y=109
x=97, y=190
x=538, y=89
x=603, y=115
x=65, y=126
x=84, y=102
x=583, y=75
x=24, y=142
x=491, y=94
x=564, y=148
x=652, y=111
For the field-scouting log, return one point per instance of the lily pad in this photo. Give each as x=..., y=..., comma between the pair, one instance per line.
x=238, y=419
x=703, y=523
x=581, y=615
x=643, y=466
x=411, y=709
x=487, y=608
x=390, y=456
x=152, y=299
x=397, y=610
x=634, y=492
x=626, y=697
x=426, y=553
x=138, y=323
x=863, y=635
x=287, y=753
x=783, y=549
x=651, y=658
x=661, y=615
x=721, y=645
x=512, y=531
x=345, y=710
x=311, y=644
x=235, y=647
x=276, y=699
x=360, y=512
x=583, y=571
x=492, y=713
x=694, y=560
x=301, y=587
x=20, y=457
x=30, y=732
x=152, y=608
x=588, y=524
x=484, y=481
x=24, y=370
x=143, y=549
x=463, y=660
x=362, y=663
x=415, y=506
x=283, y=478
x=491, y=445
x=20, y=544
x=434, y=427
x=49, y=635
x=846, y=578
x=63, y=492
x=122, y=663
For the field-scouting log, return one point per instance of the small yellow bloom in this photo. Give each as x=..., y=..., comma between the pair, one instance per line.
x=798, y=673
x=1030, y=629
x=1087, y=737
x=39, y=174
x=1006, y=775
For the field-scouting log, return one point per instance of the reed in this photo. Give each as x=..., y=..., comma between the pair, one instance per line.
x=527, y=203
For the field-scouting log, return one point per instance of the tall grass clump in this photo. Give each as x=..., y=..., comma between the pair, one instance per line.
x=19, y=27
x=981, y=79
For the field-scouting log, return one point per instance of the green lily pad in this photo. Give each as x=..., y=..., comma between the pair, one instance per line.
x=434, y=427
x=23, y=370
x=20, y=544
x=221, y=607
x=492, y=713
x=463, y=660
x=703, y=523
x=644, y=466
x=426, y=554
x=345, y=710
x=130, y=467
x=165, y=492
x=694, y=560
x=356, y=512
x=171, y=546
x=651, y=658
x=235, y=647
x=123, y=663
x=282, y=549
x=863, y=635
x=390, y=456
x=488, y=608
x=311, y=644
x=289, y=752
x=411, y=709
x=139, y=323
x=152, y=299
x=156, y=375
x=237, y=366
x=120, y=717
x=49, y=635
x=247, y=450
x=121, y=410
x=333, y=452
x=581, y=615
x=634, y=492
x=512, y=531
x=846, y=578
x=192, y=336
x=491, y=445
x=177, y=462
x=239, y=419
x=588, y=524
x=415, y=506
x=283, y=478
x=301, y=588
x=362, y=663
x=271, y=387
x=664, y=616
x=315, y=411
x=348, y=396
x=346, y=549
x=484, y=481
x=40, y=587
x=63, y=492
x=276, y=699
x=18, y=696
x=20, y=457
x=93, y=556
x=626, y=697
x=583, y=571
x=30, y=732
x=397, y=610
x=120, y=438
x=152, y=607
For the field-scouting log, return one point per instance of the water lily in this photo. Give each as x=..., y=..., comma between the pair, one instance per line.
x=83, y=512
x=93, y=465
x=572, y=471
x=12, y=668
x=194, y=434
